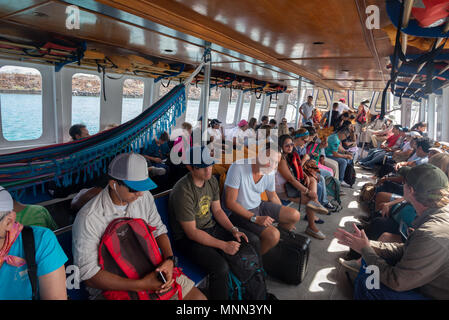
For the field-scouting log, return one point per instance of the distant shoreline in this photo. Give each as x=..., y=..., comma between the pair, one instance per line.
x=81, y=94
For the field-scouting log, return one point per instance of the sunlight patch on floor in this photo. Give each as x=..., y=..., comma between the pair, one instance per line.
x=321, y=277
x=344, y=220
x=353, y=205
x=334, y=246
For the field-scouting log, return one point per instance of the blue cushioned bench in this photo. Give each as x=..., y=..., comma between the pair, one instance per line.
x=64, y=236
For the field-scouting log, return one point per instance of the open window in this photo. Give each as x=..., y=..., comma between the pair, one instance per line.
x=132, y=102
x=21, y=103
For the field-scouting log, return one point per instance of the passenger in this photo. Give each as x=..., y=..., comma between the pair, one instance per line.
x=125, y=195
x=333, y=115
x=421, y=128
x=158, y=150
x=215, y=131
x=283, y=128
x=264, y=121
x=34, y=215
x=379, y=136
x=342, y=106
x=252, y=128
x=293, y=185
x=306, y=110
x=363, y=114
x=241, y=134
x=420, y=156
x=50, y=258
x=272, y=124
x=376, y=156
x=78, y=132
x=407, y=148
x=291, y=130
x=201, y=229
x=418, y=269
x=336, y=152
x=245, y=182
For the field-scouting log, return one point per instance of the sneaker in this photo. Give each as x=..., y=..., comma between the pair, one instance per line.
x=318, y=235
x=330, y=207
x=345, y=185
x=317, y=207
x=155, y=171
x=352, y=265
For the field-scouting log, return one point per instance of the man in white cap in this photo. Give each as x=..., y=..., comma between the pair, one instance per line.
x=126, y=195
x=15, y=282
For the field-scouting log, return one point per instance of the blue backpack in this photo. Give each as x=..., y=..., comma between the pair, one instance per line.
x=247, y=277
x=333, y=188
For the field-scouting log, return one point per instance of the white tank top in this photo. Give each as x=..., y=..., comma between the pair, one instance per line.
x=279, y=183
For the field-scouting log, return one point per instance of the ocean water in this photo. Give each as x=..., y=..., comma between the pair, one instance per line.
x=21, y=114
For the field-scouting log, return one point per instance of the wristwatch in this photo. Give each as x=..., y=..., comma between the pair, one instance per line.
x=253, y=219
x=174, y=259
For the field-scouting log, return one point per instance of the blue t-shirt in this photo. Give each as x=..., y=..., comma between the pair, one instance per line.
x=418, y=160
x=14, y=281
x=240, y=176
x=332, y=145
x=156, y=151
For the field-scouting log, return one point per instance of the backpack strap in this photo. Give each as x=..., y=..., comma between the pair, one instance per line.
x=30, y=257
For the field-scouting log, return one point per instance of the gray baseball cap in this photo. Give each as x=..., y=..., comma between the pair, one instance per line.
x=132, y=169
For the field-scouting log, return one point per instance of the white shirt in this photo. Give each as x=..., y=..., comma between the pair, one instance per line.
x=342, y=107
x=240, y=176
x=93, y=219
x=307, y=110
x=216, y=133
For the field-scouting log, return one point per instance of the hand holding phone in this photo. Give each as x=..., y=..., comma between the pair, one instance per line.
x=161, y=277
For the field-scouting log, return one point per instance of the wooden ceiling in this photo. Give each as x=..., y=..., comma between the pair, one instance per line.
x=271, y=40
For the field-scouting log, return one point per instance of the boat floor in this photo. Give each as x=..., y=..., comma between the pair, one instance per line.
x=326, y=278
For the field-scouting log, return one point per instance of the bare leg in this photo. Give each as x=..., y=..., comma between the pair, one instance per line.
x=288, y=217
x=269, y=238
x=195, y=294
x=381, y=198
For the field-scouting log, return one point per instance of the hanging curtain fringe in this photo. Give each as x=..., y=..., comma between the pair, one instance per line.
x=65, y=163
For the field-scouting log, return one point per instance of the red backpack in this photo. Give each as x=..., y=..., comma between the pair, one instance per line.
x=129, y=249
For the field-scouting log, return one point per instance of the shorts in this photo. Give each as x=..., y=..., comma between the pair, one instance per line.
x=186, y=286
x=264, y=209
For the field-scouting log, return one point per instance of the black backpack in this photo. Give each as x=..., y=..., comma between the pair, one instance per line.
x=350, y=174
x=247, y=277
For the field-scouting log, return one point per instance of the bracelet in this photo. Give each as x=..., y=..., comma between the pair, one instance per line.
x=234, y=228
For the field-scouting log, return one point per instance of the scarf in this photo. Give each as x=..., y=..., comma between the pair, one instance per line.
x=11, y=237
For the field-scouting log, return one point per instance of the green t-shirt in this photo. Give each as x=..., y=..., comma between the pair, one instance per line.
x=34, y=215
x=188, y=202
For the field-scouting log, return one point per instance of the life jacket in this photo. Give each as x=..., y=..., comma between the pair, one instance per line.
x=295, y=164
x=430, y=13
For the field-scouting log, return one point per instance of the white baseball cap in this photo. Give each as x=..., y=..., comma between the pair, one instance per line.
x=6, y=202
x=132, y=169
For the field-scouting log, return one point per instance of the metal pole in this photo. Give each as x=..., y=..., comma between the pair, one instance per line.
x=205, y=93
x=298, y=102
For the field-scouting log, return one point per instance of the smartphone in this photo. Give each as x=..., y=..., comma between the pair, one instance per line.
x=403, y=229
x=161, y=277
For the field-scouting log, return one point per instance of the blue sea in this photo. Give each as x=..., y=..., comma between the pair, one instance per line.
x=21, y=114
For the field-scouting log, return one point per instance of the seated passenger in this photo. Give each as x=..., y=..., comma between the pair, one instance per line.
x=379, y=136
x=336, y=152
x=158, y=151
x=419, y=157
x=263, y=122
x=421, y=128
x=34, y=215
x=50, y=258
x=245, y=182
x=272, y=124
x=126, y=195
x=419, y=268
x=215, y=131
x=78, y=131
x=376, y=156
x=201, y=229
x=301, y=188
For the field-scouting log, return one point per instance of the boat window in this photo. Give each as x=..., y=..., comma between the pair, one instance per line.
x=272, y=108
x=359, y=96
x=321, y=101
x=290, y=113
x=193, y=104
x=257, y=108
x=231, y=107
x=132, y=103
x=214, y=102
x=165, y=87
x=86, y=90
x=246, y=105
x=21, y=103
